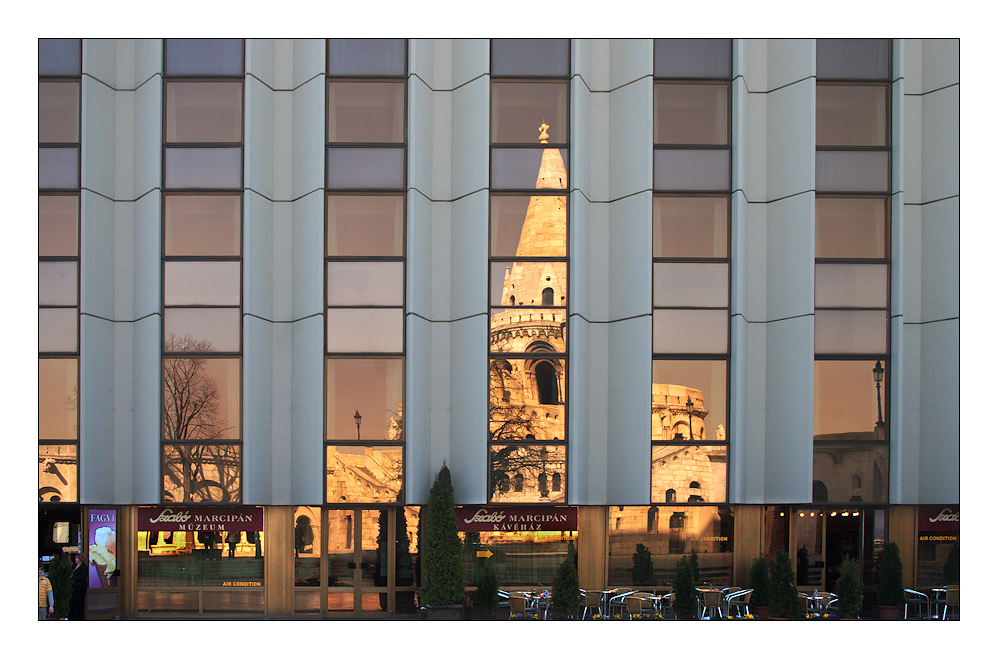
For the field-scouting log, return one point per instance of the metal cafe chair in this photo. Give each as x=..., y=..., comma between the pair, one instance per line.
x=517, y=605
x=593, y=599
x=711, y=603
x=737, y=600
x=917, y=599
x=952, y=599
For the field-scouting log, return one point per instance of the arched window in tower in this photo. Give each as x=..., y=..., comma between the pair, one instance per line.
x=670, y=496
x=547, y=297
x=547, y=383
x=556, y=482
x=653, y=519
x=819, y=492
x=542, y=484
x=518, y=483
x=512, y=300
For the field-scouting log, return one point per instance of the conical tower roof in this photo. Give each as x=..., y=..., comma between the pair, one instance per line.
x=543, y=232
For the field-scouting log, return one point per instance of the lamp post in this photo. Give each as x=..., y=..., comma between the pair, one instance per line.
x=878, y=378
x=689, y=410
x=356, y=418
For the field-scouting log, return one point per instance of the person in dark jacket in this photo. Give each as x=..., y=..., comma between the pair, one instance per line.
x=81, y=578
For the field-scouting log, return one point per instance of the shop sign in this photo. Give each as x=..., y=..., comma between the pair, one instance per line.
x=938, y=523
x=517, y=518
x=102, y=526
x=201, y=518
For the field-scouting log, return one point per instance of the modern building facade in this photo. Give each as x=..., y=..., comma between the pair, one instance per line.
x=695, y=295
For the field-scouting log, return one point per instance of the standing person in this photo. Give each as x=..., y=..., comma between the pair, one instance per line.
x=46, y=601
x=81, y=577
x=232, y=539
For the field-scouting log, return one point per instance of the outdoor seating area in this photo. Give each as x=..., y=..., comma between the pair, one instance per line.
x=932, y=603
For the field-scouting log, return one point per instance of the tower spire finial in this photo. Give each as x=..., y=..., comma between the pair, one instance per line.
x=544, y=133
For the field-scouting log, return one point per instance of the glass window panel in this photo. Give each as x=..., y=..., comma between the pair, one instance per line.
x=511, y=235
x=58, y=225
x=204, y=111
x=58, y=168
x=363, y=474
x=200, y=399
x=57, y=400
x=202, y=225
x=851, y=115
x=364, y=330
x=365, y=225
x=530, y=57
x=850, y=332
x=519, y=109
x=365, y=283
x=852, y=473
x=366, y=111
x=522, y=169
x=202, y=282
x=57, y=283
x=362, y=57
x=522, y=283
x=532, y=468
x=690, y=227
x=861, y=59
x=704, y=383
x=845, y=399
x=685, y=473
x=847, y=228
x=372, y=388
x=690, y=330
x=190, y=560
x=526, y=399
x=201, y=473
x=194, y=57
x=57, y=330
x=202, y=329
x=366, y=168
x=692, y=169
x=59, y=111
x=693, y=58
x=852, y=171
x=531, y=557
x=58, y=472
x=307, y=533
x=851, y=284
x=691, y=114
x=59, y=57
x=691, y=284
x=200, y=168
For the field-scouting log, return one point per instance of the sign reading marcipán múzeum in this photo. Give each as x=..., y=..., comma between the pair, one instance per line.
x=201, y=518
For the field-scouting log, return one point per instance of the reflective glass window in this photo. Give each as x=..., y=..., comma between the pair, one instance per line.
x=851, y=474
x=201, y=282
x=363, y=474
x=851, y=284
x=307, y=532
x=686, y=331
x=366, y=111
x=361, y=283
x=365, y=225
x=519, y=109
x=692, y=473
x=858, y=59
x=692, y=58
x=691, y=114
x=202, y=225
x=539, y=565
x=850, y=228
x=204, y=57
x=546, y=237
x=851, y=115
x=526, y=399
x=202, y=473
x=58, y=168
x=203, y=168
x=201, y=398
x=211, y=329
x=364, y=399
x=846, y=400
x=57, y=398
x=690, y=284
x=692, y=169
x=172, y=565
x=522, y=168
x=702, y=382
x=59, y=57
x=204, y=111
x=522, y=283
x=532, y=465
x=58, y=225
x=530, y=57
x=850, y=331
x=690, y=227
x=58, y=111
x=58, y=472
x=364, y=330
x=852, y=171
x=367, y=57
x=57, y=330
x=57, y=283
x=352, y=168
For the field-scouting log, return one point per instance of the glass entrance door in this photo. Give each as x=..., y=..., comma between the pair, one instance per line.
x=824, y=537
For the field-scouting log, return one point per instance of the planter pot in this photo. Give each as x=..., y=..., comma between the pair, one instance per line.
x=890, y=612
x=444, y=612
x=760, y=612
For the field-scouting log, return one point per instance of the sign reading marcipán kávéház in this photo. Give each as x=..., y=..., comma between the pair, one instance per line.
x=521, y=518
x=197, y=518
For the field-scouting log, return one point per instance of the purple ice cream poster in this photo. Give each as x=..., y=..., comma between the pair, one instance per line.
x=101, y=555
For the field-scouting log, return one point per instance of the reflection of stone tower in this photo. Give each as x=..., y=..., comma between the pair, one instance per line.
x=687, y=471
x=528, y=394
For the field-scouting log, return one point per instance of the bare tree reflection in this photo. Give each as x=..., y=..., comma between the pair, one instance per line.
x=192, y=413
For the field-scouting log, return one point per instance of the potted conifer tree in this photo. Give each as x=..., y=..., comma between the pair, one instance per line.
x=783, y=600
x=759, y=583
x=684, y=593
x=890, y=590
x=565, y=591
x=849, y=588
x=442, y=588
x=486, y=599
